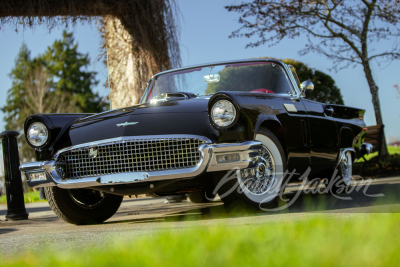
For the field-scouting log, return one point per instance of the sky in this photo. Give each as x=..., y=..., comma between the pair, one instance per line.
x=204, y=30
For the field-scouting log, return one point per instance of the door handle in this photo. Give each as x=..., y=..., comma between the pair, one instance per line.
x=329, y=111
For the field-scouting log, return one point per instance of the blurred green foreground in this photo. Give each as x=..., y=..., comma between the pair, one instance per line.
x=326, y=239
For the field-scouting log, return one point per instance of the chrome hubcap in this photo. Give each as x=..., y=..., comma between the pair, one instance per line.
x=86, y=198
x=259, y=180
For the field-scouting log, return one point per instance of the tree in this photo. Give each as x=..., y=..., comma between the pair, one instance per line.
x=50, y=83
x=325, y=91
x=344, y=30
x=65, y=67
x=39, y=98
x=16, y=95
x=139, y=36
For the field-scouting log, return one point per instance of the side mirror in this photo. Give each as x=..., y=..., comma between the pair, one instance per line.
x=306, y=85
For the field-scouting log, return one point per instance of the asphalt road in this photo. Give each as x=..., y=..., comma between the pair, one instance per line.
x=147, y=216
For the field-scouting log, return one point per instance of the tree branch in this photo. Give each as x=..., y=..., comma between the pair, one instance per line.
x=364, y=34
x=394, y=55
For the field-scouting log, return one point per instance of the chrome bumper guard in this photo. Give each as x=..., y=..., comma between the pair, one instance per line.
x=214, y=157
x=366, y=149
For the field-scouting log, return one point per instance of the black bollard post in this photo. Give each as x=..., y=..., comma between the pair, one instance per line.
x=15, y=196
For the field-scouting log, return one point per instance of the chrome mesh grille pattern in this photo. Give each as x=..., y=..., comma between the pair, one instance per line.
x=136, y=155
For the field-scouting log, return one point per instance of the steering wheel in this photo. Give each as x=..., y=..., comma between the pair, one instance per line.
x=262, y=90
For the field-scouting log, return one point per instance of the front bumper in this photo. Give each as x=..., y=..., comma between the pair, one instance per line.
x=214, y=157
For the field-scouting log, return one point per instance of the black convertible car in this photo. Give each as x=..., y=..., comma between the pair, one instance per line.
x=233, y=128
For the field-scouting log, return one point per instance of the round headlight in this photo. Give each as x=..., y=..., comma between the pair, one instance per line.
x=37, y=134
x=223, y=113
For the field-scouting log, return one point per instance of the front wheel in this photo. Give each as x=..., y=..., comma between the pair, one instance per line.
x=259, y=187
x=82, y=206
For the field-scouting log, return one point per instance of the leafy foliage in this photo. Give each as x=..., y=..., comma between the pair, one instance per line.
x=140, y=38
x=343, y=31
x=325, y=91
x=54, y=82
x=64, y=64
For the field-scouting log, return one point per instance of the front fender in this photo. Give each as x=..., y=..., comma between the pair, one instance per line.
x=255, y=111
x=58, y=125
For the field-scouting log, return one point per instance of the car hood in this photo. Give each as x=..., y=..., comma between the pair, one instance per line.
x=161, y=118
x=170, y=106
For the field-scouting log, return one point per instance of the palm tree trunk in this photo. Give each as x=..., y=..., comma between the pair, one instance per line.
x=138, y=47
x=125, y=82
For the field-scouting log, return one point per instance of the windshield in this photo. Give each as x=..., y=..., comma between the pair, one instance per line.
x=256, y=77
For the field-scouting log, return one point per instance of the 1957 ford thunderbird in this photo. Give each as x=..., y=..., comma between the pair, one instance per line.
x=234, y=128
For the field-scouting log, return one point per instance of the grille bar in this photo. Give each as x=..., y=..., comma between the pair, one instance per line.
x=136, y=155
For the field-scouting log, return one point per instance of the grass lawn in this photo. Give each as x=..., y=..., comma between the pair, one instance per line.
x=392, y=150
x=364, y=240
x=29, y=197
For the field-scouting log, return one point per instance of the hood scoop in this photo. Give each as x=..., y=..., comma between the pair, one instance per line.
x=172, y=96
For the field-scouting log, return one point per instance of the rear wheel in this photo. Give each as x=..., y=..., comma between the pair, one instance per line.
x=344, y=172
x=82, y=206
x=259, y=187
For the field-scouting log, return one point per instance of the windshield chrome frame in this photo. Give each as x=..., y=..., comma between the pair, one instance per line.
x=288, y=71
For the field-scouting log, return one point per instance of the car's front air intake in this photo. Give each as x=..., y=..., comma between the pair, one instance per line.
x=122, y=156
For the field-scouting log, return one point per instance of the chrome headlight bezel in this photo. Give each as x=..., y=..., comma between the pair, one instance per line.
x=225, y=106
x=43, y=135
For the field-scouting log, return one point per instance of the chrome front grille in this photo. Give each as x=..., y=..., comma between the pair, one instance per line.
x=134, y=155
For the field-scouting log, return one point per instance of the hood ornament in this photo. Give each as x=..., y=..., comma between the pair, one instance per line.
x=93, y=153
x=126, y=124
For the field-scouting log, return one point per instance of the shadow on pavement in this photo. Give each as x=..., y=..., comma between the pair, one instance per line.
x=361, y=199
x=29, y=210
x=7, y=230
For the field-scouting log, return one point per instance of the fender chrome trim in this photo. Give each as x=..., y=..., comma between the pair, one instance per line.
x=342, y=154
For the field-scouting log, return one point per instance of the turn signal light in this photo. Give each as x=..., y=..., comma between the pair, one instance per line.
x=225, y=158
